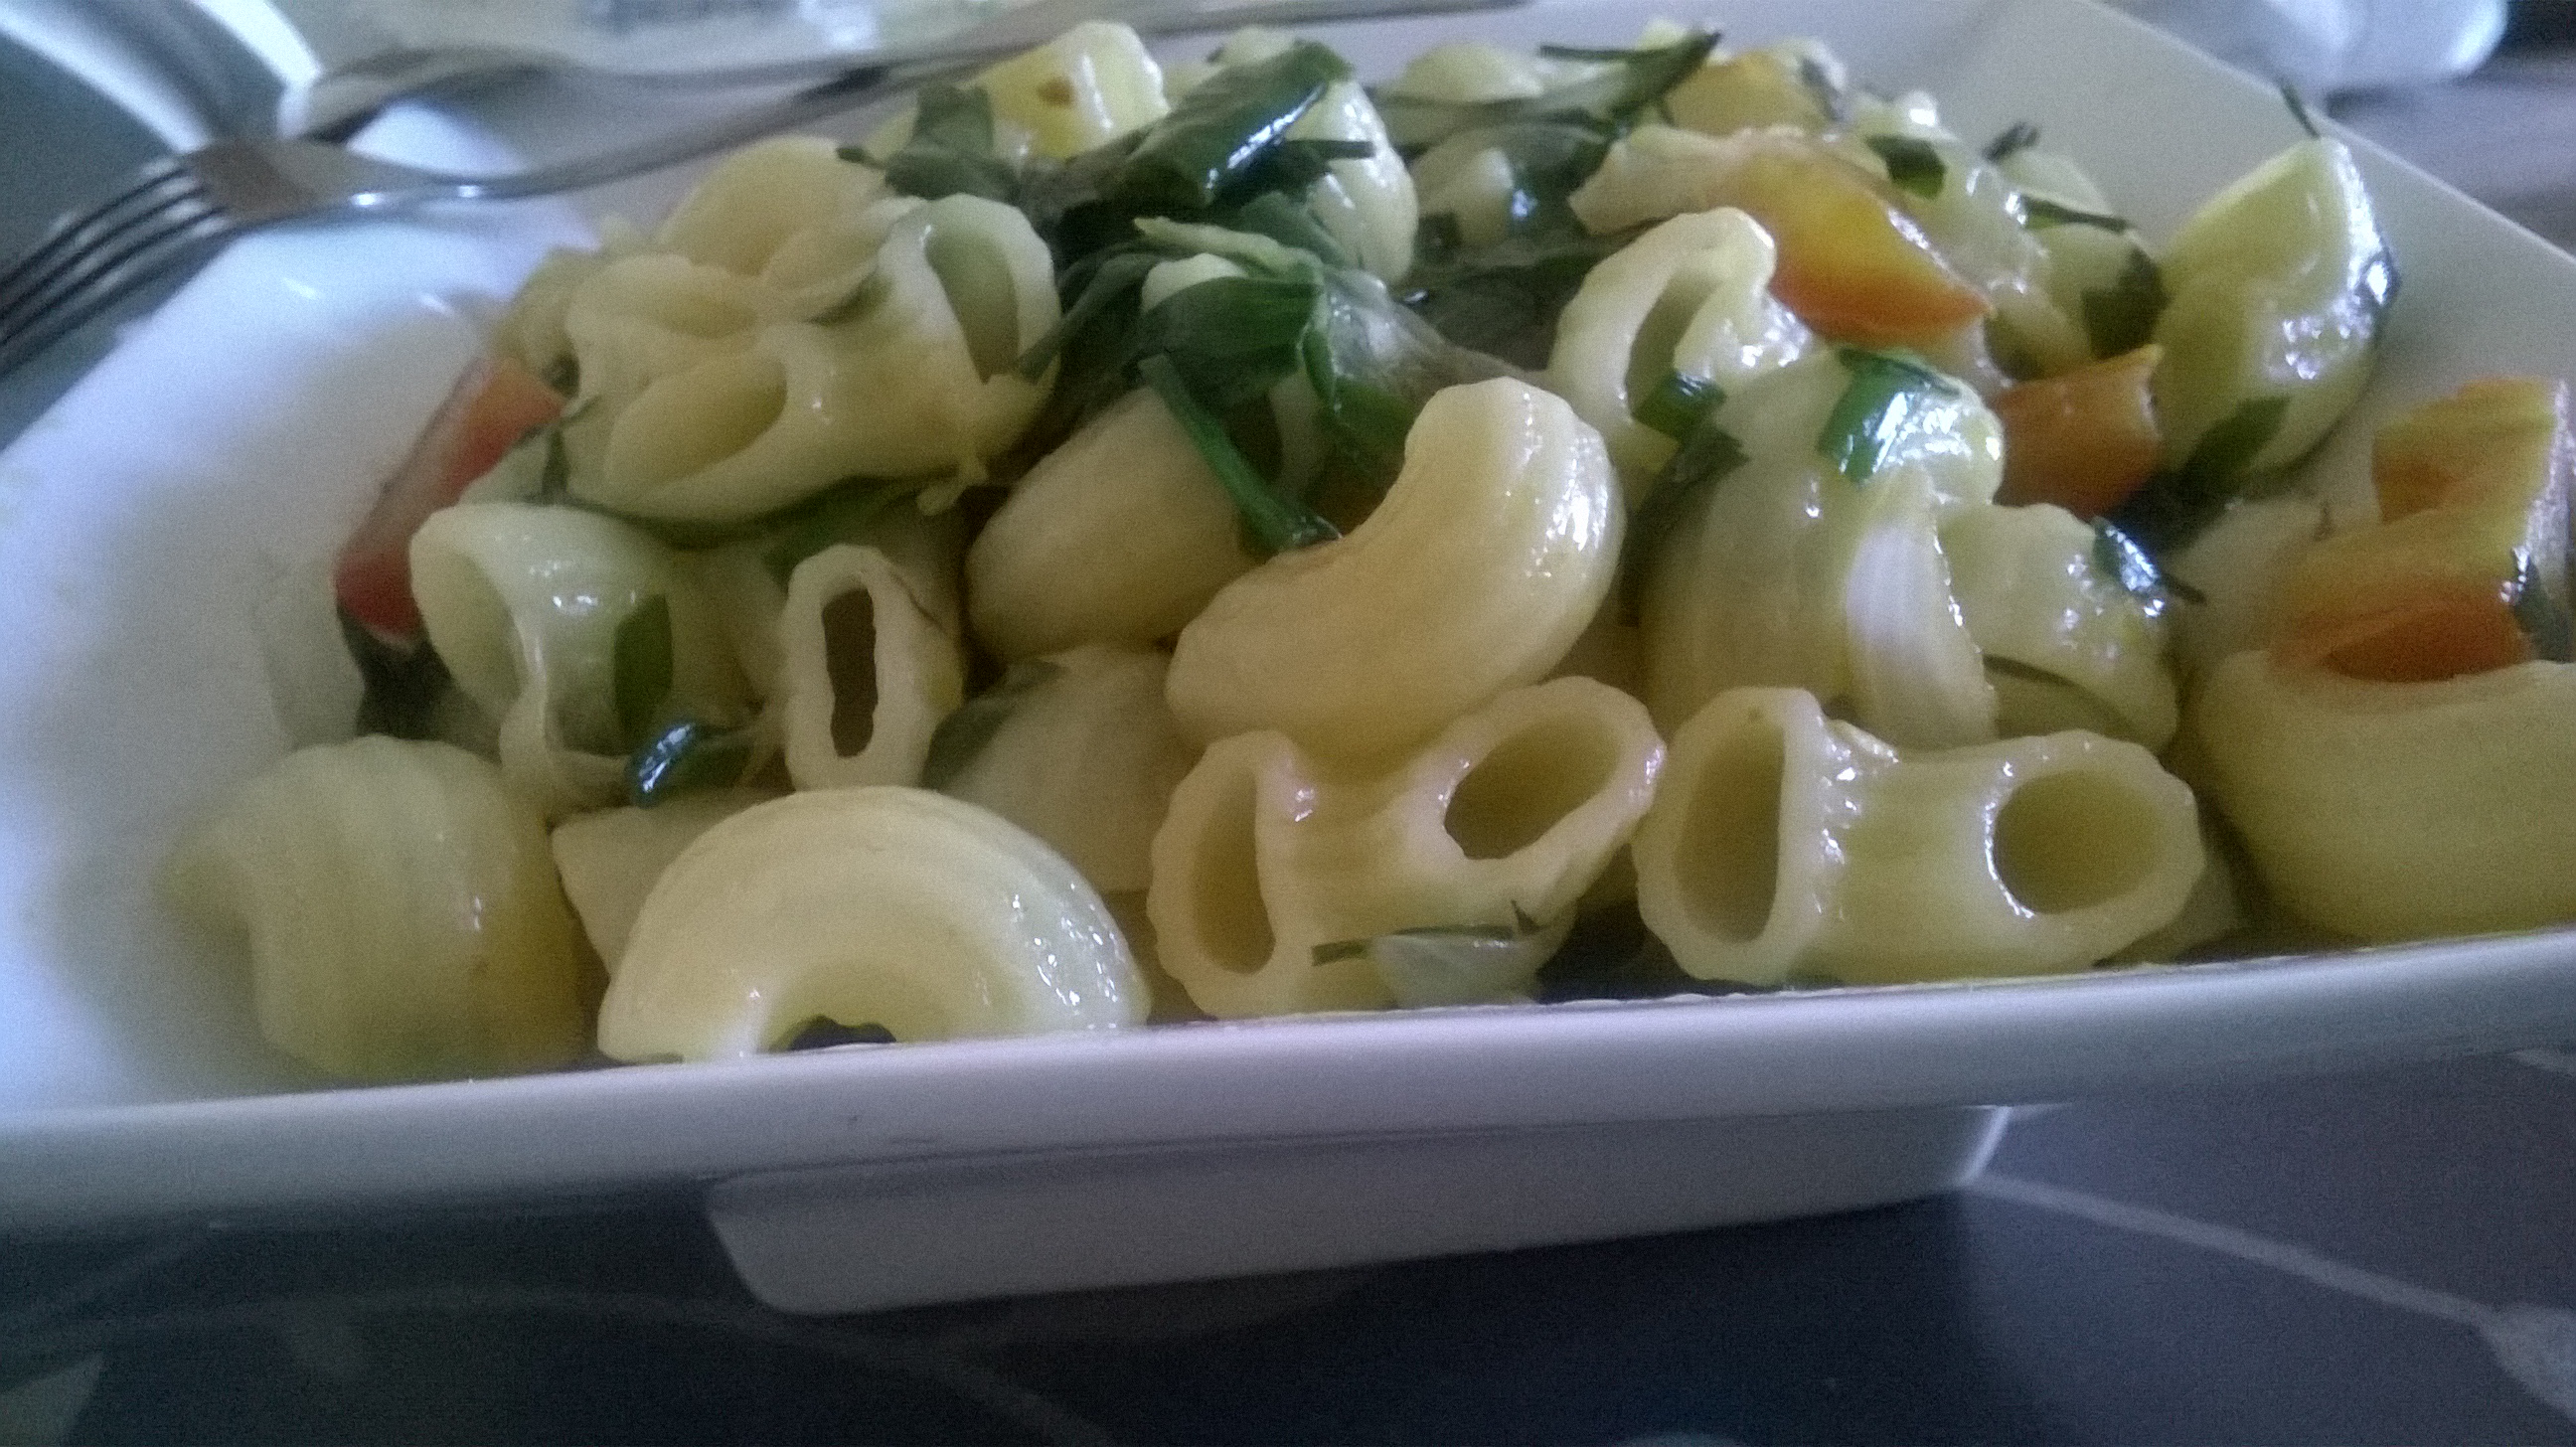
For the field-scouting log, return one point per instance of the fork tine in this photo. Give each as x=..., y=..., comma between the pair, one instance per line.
x=30, y=330
x=112, y=257
x=67, y=227
x=76, y=236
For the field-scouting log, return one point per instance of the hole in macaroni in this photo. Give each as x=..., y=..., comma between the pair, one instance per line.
x=1660, y=335
x=1526, y=784
x=850, y=658
x=1730, y=846
x=1225, y=885
x=2073, y=839
x=982, y=294
x=692, y=420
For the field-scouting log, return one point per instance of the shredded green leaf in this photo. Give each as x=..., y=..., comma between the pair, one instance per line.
x=1189, y=161
x=1677, y=403
x=2120, y=559
x=1876, y=405
x=1707, y=457
x=1633, y=83
x=2039, y=213
x=2299, y=111
x=867, y=296
x=2012, y=140
x=1819, y=84
x=402, y=682
x=1272, y=524
x=2122, y=316
x=841, y=513
x=971, y=725
x=684, y=758
x=2175, y=505
x=643, y=667
x=951, y=149
x=1913, y=165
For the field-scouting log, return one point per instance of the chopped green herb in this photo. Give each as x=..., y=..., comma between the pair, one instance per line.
x=402, y=682
x=1272, y=524
x=2175, y=505
x=971, y=725
x=2039, y=213
x=1195, y=158
x=2120, y=559
x=2299, y=111
x=1876, y=405
x=1913, y=165
x=1234, y=337
x=840, y=514
x=1504, y=299
x=2012, y=140
x=684, y=758
x=554, y=478
x=2122, y=316
x=1116, y=277
x=1284, y=221
x=643, y=662
x=950, y=151
x=1677, y=403
x=1706, y=458
x=1609, y=103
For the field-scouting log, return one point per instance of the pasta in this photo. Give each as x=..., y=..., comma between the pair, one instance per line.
x=1786, y=844
x=1086, y=760
x=886, y=906
x=1278, y=882
x=1691, y=299
x=1496, y=546
x=865, y=675
x=470, y=965
x=1147, y=543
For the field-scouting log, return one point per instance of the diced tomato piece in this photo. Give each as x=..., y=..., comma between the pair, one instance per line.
x=2423, y=639
x=2084, y=440
x=497, y=402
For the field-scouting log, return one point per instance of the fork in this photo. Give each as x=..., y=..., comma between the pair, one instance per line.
x=179, y=206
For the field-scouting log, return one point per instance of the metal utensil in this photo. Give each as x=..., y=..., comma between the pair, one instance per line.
x=182, y=206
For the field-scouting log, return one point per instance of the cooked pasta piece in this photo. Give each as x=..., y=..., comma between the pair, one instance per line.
x=1689, y=299
x=1281, y=885
x=526, y=605
x=2399, y=810
x=1784, y=845
x=2053, y=619
x=893, y=907
x=401, y=912
x=1085, y=88
x=1492, y=551
x=758, y=199
x=609, y=860
x=916, y=380
x=638, y=319
x=1788, y=572
x=1086, y=759
x=1119, y=536
x=2278, y=286
x=865, y=674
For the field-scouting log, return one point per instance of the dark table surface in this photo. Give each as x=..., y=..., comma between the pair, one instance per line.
x=2379, y=1257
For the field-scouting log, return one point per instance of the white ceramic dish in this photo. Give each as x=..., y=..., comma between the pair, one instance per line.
x=235, y=438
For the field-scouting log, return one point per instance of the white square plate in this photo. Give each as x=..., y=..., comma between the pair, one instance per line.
x=233, y=440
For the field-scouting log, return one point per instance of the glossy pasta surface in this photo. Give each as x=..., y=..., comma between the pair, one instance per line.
x=1229, y=538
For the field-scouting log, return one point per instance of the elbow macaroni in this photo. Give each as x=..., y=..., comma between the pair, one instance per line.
x=887, y=906
x=1494, y=547
x=865, y=674
x=1690, y=297
x=1783, y=844
x=401, y=911
x=1501, y=823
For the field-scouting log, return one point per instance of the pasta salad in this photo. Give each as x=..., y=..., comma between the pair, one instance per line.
x=1133, y=543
